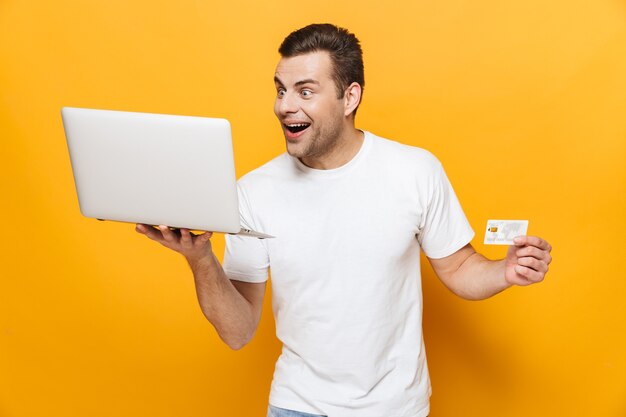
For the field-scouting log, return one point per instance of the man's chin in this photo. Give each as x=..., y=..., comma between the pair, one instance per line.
x=295, y=149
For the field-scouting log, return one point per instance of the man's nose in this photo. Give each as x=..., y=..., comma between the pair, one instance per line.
x=287, y=104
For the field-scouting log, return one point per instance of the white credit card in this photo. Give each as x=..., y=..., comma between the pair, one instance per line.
x=502, y=232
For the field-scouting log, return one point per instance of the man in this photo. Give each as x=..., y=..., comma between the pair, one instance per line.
x=350, y=212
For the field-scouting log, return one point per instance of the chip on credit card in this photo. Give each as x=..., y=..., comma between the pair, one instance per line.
x=502, y=232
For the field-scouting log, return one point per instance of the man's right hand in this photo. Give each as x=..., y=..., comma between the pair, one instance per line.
x=196, y=248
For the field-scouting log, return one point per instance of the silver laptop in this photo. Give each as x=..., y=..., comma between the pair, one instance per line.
x=154, y=169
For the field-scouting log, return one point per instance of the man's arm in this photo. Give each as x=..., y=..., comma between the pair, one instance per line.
x=470, y=275
x=232, y=307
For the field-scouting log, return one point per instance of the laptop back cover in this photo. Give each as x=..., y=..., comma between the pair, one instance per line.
x=153, y=168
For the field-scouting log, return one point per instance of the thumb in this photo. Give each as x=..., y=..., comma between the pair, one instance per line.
x=511, y=252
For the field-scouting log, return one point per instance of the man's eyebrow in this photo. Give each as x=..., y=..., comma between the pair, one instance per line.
x=307, y=81
x=298, y=83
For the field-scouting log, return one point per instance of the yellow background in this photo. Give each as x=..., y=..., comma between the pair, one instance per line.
x=524, y=102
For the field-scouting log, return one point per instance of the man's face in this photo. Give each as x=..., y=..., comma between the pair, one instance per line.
x=311, y=115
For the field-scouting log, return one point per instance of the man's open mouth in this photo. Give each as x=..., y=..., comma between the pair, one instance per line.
x=296, y=127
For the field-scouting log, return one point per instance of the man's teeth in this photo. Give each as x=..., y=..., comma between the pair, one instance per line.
x=297, y=127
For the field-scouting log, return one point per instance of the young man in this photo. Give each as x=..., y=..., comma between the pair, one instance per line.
x=351, y=212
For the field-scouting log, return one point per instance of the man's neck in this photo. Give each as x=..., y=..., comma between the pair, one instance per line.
x=346, y=148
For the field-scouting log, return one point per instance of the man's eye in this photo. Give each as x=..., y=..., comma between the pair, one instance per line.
x=306, y=93
x=280, y=92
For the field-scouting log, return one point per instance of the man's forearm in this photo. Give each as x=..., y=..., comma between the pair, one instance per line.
x=478, y=278
x=229, y=311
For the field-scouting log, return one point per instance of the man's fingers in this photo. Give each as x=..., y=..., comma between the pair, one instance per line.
x=533, y=257
x=529, y=273
x=180, y=240
x=168, y=234
x=203, y=238
x=186, y=237
x=532, y=241
x=533, y=263
x=149, y=231
x=534, y=252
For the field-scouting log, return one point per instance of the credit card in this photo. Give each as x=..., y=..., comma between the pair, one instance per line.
x=502, y=232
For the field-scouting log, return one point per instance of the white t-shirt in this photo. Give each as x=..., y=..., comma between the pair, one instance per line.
x=345, y=274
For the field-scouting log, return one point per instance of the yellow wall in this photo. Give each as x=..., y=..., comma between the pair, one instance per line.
x=524, y=101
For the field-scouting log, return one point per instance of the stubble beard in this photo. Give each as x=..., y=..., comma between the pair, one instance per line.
x=321, y=143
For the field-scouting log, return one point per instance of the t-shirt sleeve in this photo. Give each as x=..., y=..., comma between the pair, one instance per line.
x=246, y=258
x=444, y=228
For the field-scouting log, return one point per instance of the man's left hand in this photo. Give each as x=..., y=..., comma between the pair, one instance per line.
x=527, y=260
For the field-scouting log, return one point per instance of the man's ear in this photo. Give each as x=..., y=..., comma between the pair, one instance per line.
x=352, y=98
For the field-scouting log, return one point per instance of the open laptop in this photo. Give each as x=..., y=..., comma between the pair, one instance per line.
x=155, y=169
